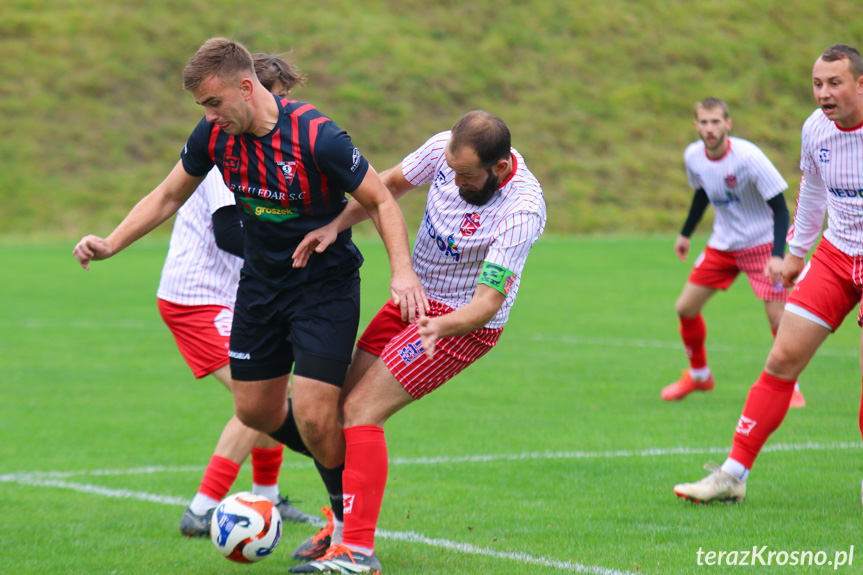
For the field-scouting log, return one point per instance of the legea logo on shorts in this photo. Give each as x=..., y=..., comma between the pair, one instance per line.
x=239, y=355
x=411, y=351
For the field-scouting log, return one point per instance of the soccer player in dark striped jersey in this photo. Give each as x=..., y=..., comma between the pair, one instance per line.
x=290, y=168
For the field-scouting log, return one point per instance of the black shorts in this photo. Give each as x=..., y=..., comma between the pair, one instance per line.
x=314, y=325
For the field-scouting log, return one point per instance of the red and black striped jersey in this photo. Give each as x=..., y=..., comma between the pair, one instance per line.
x=287, y=183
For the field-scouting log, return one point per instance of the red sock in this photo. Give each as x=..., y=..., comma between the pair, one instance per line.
x=218, y=478
x=861, y=416
x=694, y=332
x=765, y=408
x=266, y=464
x=364, y=479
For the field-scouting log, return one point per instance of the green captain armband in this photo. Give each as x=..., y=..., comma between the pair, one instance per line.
x=497, y=277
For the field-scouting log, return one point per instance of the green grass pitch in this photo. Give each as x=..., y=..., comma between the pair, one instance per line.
x=552, y=454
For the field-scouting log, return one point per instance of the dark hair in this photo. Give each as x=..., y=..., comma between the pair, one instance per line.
x=272, y=69
x=844, y=51
x=483, y=132
x=220, y=57
x=711, y=104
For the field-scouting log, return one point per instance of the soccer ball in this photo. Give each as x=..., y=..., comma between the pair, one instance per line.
x=245, y=527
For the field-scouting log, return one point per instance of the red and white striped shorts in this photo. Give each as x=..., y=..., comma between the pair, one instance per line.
x=717, y=269
x=399, y=344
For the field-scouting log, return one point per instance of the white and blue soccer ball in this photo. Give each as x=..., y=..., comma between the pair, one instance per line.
x=245, y=527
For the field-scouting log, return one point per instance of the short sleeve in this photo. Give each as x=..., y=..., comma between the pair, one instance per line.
x=195, y=155
x=338, y=159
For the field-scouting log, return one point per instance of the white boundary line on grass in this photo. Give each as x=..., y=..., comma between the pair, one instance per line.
x=33, y=479
x=565, y=339
x=55, y=479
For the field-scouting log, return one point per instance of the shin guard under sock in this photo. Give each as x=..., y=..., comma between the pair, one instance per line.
x=365, y=479
x=694, y=333
x=765, y=408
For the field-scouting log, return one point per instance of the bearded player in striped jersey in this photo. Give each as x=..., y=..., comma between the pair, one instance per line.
x=745, y=190
x=829, y=286
x=484, y=211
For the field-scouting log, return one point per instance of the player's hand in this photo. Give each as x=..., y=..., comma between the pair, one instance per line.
x=92, y=248
x=316, y=241
x=427, y=328
x=408, y=293
x=791, y=268
x=773, y=271
x=681, y=247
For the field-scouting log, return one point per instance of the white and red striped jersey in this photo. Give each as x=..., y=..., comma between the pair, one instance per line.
x=196, y=271
x=831, y=159
x=738, y=186
x=455, y=237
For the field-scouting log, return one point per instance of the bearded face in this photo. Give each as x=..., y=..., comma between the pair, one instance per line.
x=480, y=196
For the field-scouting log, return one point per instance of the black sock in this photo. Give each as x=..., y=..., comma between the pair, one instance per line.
x=333, y=482
x=289, y=434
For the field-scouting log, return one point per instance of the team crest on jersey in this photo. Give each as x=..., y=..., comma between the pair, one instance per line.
x=411, y=351
x=288, y=169
x=824, y=156
x=470, y=224
x=232, y=163
x=731, y=181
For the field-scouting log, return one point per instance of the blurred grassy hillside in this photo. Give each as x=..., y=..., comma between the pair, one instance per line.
x=598, y=95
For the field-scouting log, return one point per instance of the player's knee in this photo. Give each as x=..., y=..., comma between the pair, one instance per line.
x=323, y=439
x=782, y=362
x=685, y=308
x=259, y=417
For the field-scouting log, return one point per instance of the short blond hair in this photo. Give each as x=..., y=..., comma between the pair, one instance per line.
x=217, y=57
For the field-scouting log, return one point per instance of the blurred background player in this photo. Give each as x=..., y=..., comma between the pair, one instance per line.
x=829, y=286
x=748, y=235
x=484, y=212
x=196, y=300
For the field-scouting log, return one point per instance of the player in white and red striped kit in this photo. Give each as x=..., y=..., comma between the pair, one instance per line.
x=483, y=213
x=745, y=190
x=829, y=286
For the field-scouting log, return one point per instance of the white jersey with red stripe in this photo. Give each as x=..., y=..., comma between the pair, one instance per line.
x=831, y=159
x=738, y=186
x=196, y=271
x=455, y=237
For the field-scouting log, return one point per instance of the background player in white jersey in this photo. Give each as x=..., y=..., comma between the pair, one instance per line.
x=748, y=235
x=484, y=212
x=830, y=285
x=196, y=298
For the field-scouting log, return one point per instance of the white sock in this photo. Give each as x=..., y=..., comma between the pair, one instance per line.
x=202, y=503
x=735, y=469
x=338, y=528
x=271, y=492
x=700, y=373
x=363, y=550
